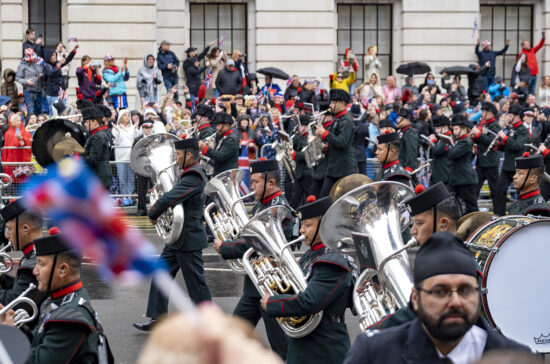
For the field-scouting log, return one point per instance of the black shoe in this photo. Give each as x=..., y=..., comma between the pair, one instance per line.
x=141, y=212
x=145, y=326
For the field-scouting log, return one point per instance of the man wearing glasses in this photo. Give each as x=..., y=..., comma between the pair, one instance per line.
x=446, y=298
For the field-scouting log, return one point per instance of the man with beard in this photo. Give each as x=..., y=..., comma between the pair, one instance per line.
x=449, y=328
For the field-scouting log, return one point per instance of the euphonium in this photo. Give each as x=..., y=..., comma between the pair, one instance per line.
x=272, y=267
x=153, y=156
x=21, y=316
x=369, y=220
x=206, y=162
x=313, y=151
x=231, y=215
x=282, y=155
x=6, y=264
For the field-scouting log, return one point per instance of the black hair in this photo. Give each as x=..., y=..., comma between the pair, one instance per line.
x=194, y=152
x=539, y=172
x=449, y=208
x=34, y=219
x=274, y=175
x=72, y=258
x=396, y=144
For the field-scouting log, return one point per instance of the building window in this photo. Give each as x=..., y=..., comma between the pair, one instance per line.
x=501, y=22
x=45, y=18
x=363, y=26
x=209, y=22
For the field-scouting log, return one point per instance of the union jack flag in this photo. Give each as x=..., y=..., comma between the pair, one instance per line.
x=260, y=97
x=222, y=39
x=244, y=164
x=208, y=80
x=289, y=81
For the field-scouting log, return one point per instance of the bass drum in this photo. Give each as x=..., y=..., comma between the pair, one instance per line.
x=512, y=299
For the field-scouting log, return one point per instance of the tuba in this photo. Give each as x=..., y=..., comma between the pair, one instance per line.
x=313, y=151
x=206, y=162
x=272, y=267
x=369, y=220
x=153, y=156
x=21, y=315
x=231, y=215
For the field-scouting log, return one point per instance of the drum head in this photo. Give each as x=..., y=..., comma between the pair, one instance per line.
x=517, y=295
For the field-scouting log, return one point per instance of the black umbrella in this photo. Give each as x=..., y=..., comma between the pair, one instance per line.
x=413, y=68
x=274, y=72
x=52, y=132
x=456, y=70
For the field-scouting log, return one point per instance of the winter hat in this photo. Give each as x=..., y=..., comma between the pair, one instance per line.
x=485, y=44
x=108, y=57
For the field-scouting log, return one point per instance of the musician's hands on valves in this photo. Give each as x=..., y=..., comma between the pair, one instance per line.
x=319, y=130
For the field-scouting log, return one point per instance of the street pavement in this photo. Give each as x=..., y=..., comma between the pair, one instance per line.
x=119, y=306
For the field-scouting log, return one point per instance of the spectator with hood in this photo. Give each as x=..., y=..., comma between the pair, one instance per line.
x=53, y=79
x=9, y=88
x=148, y=80
x=193, y=70
x=124, y=133
x=116, y=76
x=16, y=136
x=168, y=63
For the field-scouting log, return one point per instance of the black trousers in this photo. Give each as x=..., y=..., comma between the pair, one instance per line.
x=300, y=190
x=191, y=265
x=362, y=167
x=316, y=185
x=491, y=175
x=328, y=182
x=504, y=180
x=467, y=194
x=545, y=190
x=249, y=308
x=143, y=184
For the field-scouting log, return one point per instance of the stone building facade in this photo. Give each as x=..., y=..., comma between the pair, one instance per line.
x=304, y=37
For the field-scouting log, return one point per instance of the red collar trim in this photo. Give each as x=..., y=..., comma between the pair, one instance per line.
x=29, y=248
x=305, y=134
x=230, y=131
x=490, y=120
x=318, y=246
x=449, y=133
x=65, y=291
x=341, y=113
x=516, y=125
x=204, y=126
x=529, y=194
x=388, y=165
x=406, y=127
x=99, y=129
x=327, y=124
x=463, y=137
x=269, y=198
x=186, y=168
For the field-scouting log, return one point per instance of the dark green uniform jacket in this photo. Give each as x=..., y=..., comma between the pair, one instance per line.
x=483, y=140
x=67, y=331
x=318, y=172
x=460, y=157
x=328, y=289
x=513, y=145
x=205, y=131
x=408, y=155
x=188, y=191
x=300, y=142
x=393, y=171
x=97, y=149
x=341, y=152
x=441, y=162
x=235, y=249
x=531, y=203
x=226, y=154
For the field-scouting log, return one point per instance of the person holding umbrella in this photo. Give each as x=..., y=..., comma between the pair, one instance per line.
x=486, y=54
x=270, y=89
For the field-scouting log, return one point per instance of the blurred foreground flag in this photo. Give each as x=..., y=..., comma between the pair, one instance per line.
x=76, y=201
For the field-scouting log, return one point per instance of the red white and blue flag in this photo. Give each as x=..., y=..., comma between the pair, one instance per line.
x=209, y=77
x=244, y=165
x=289, y=81
x=222, y=39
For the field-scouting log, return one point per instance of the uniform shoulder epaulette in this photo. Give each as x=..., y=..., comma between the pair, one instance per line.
x=332, y=257
x=70, y=311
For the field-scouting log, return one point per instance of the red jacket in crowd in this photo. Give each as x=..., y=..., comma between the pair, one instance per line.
x=532, y=57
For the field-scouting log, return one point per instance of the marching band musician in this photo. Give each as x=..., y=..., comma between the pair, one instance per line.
x=408, y=155
x=98, y=144
x=186, y=252
x=529, y=172
x=448, y=328
x=302, y=174
x=512, y=145
x=203, y=118
x=487, y=161
x=22, y=227
x=440, y=150
x=463, y=179
x=226, y=153
x=265, y=178
x=68, y=329
x=387, y=154
x=318, y=172
x=339, y=137
x=329, y=284
x=432, y=210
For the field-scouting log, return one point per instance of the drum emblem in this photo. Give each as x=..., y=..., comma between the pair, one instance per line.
x=542, y=339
